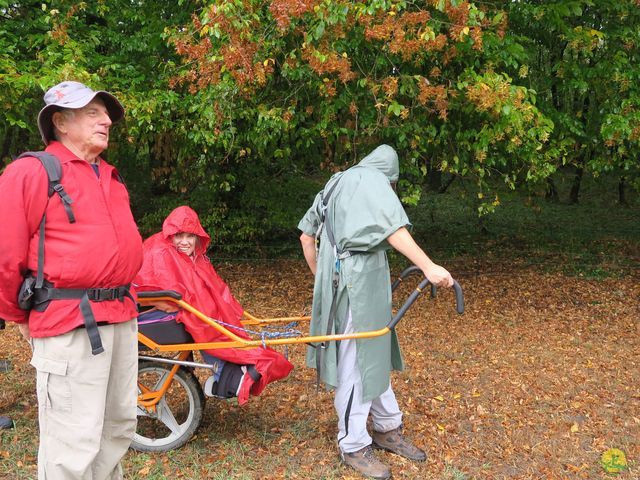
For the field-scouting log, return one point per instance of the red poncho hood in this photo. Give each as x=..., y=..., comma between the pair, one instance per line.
x=185, y=219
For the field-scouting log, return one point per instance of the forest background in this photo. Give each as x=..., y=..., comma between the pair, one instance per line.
x=242, y=109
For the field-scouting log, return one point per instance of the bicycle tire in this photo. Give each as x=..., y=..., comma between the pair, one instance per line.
x=178, y=414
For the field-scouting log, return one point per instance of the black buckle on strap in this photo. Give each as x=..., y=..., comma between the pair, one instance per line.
x=104, y=294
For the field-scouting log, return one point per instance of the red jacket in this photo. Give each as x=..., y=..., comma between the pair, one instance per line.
x=165, y=268
x=102, y=249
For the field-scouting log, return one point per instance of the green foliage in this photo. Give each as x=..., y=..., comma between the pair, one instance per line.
x=242, y=109
x=590, y=240
x=583, y=59
x=316, y=84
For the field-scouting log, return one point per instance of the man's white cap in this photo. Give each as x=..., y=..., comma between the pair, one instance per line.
x=71, y=94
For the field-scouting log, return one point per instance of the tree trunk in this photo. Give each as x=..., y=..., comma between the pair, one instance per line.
x=552, y=192
x=574, y=194
x=448, y=183
x=581, y=160
x=5, y=147
x=622, y=198
x=15, y=142
x=482, y=225
x=434, y=176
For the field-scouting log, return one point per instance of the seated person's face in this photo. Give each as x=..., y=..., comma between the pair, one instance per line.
x=185, y=242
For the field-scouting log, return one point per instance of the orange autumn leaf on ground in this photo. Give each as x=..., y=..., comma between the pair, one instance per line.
x=490, y=394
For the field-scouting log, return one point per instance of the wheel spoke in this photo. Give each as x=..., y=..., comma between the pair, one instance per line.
x=176, y=415
x=161, y=380
x=165, y=415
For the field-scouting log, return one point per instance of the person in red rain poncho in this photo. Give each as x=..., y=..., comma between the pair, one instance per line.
x=174, y=259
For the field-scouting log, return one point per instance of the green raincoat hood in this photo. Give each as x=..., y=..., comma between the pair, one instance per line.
x=385, y=159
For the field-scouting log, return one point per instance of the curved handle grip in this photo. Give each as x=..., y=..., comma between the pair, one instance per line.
x=405, y=273
x=418, y=291
x=456, y=287
x=160, y=293
x=459, y=297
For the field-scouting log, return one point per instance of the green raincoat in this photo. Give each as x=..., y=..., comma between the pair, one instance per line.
x=363, y=211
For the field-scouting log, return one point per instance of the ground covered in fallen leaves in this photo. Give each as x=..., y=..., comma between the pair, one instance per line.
x=538, y=378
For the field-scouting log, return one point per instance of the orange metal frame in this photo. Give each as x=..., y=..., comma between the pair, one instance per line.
x=238, y=342
x=149, y=399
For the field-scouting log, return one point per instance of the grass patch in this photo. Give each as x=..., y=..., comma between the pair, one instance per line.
x=452, y=473
x=597, y=238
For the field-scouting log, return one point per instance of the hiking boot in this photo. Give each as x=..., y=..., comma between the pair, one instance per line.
x=365, y=462
x=393, y=441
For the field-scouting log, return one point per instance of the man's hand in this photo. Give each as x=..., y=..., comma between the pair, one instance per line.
x=24, y=330
x=438, y=276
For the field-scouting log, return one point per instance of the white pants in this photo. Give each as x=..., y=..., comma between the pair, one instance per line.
x=352, y=411
x=86, y=403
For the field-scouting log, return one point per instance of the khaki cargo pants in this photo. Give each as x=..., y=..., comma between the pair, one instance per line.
x=86, y=403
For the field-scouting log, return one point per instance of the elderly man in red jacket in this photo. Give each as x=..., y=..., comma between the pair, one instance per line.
x=82, y=327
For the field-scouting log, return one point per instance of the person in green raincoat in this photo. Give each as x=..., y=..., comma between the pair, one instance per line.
x=365, y=218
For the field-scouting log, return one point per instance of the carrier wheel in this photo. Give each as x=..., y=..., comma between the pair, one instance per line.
x=178, y=413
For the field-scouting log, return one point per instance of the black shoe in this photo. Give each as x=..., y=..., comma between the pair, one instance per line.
x=5, y=423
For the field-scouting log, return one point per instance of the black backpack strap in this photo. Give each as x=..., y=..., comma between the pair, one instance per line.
x=40, y=273
x=92, y=327
x=324, y=205
x=326, y=223
x=44, y=295
x=335, y=280
x=52, y=166
x=119, y=177
x=325, y=196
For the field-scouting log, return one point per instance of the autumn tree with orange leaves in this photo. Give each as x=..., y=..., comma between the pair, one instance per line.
x=241, y=108
x=317, y=83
